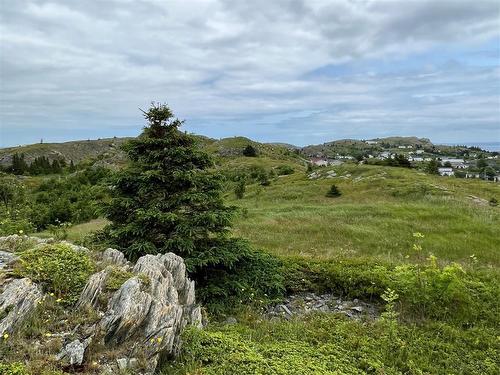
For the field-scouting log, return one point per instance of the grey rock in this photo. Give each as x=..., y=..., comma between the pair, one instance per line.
x=357, y=308
x=19, y=298
x=231, y=320
x=285, y=309
x=148, y=312
x=93, y=289
x=73, y=353
x=6, y=259
x=114, y=256
x=122, y=363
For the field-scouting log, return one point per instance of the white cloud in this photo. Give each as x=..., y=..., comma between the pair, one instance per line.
x=244, y=67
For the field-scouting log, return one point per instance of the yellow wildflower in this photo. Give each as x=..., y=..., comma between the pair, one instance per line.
x=58, y=300
x=5, y=336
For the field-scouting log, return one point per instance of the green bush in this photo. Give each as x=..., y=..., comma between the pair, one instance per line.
x=327, y=344
x=333, y=192
x=253, y=280
x=284, y=170
x=428, y=291
x=13, y=369
x=61, y=269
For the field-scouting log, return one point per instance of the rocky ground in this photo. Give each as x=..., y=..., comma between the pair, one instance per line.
x=301, y=304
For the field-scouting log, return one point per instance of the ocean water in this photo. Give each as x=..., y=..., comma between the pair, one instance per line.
x=489, y=146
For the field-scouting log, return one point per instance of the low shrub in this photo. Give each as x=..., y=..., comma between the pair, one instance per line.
x=284, y=170
x=325, y=344
x=333, y=192
x=16, y=368
x=255, y=279
x=428, y=291
x=61, y=269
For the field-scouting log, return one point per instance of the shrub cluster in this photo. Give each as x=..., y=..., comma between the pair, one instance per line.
x=61, y=269
x=427, y=291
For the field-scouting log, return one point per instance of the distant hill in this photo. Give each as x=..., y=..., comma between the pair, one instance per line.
x=355, y=146
x=107, y=151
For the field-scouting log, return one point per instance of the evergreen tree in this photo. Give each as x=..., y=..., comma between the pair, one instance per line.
x=334, y=192
x=56, y=166
x=240, y=188
x=71, y=168
x=168, y=200
x=250, y=151
x=19, y=165
x=432, y=167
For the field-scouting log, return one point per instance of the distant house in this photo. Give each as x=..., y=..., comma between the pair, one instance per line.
x=446, y=171
x=385, y=155
x=419, y=152
x=416, y=158
x=407, y=146
x=371, y=142
x=455, y=163
x=472, y=175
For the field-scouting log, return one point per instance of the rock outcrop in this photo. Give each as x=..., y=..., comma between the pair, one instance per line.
x=18, y=298
x=145, y=316
x=140, y=310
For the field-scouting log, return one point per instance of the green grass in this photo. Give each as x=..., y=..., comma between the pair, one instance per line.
x=78, y=232
x=378, y=211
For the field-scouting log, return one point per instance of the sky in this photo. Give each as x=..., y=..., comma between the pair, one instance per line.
x=294, y=71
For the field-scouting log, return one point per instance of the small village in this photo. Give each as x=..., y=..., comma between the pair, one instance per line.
x=447, y=161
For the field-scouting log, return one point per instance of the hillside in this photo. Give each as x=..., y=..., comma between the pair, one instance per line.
x=78, y=151
x=107, y=152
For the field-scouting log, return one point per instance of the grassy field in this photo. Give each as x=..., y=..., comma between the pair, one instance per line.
x=379, y=210
x=376, y=216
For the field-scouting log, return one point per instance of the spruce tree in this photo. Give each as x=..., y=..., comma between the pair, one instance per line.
x=333, y=192
x=167, y=200
x=250, y=151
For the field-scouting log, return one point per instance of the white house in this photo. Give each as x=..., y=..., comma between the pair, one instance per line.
x=455, y=163
x=472, y=175
x=446, y=171
x=385, y=155
x=419, y=152
x=416, y=158
x=371, y=142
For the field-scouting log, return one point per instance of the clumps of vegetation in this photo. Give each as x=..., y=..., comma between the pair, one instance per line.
x=432, y=167
x=334, y=192
x=327, y=344
x=169, y=199
x=41, y=165
x=250, y=151
x=16, y=368
x=116, y=277
x=61, y=269
x=493, y=202
x=240, y=188
x=284, y=170
x=426, y=291
x=49, y=318
x=53, y=203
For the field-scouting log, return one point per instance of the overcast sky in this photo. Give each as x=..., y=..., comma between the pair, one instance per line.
x=298, y=71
